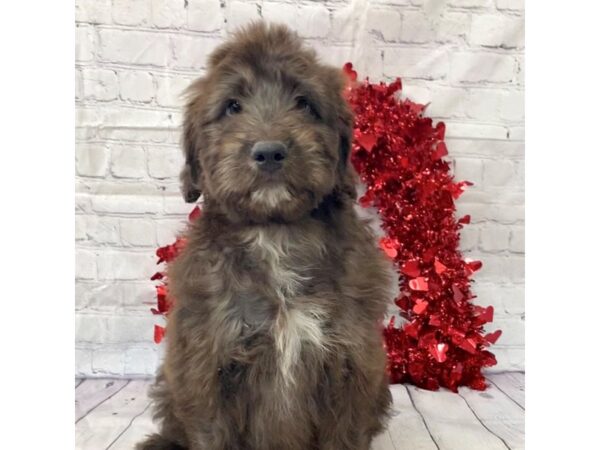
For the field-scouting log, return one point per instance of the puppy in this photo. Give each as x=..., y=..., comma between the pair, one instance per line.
x=274, y=342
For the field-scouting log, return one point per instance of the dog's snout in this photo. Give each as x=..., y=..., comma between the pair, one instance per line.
x=269, y=155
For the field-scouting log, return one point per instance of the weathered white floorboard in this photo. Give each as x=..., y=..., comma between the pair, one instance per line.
x=512, y=384
x=92, y=392
x=451, y=423
x=499, y=414
x=406, y=427
x=139, y=429
x=383, y=442
x=118, y=415
x=105, y=423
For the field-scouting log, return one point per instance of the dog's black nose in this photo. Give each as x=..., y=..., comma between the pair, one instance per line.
x=269, y=155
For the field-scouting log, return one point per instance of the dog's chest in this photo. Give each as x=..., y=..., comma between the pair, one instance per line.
x=275, y=297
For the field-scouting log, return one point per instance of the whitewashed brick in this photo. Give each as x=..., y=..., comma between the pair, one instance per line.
x=141, y=361
x=309, y=21
x=481, y=66
x=469, y=169
x=126, y=204
x=168, y=230
x=241, y=13
x=495, y=30
x=509, y=214
x=125, y=265
x=131, y=329
x=100, y=84
x=417, y=27
x=495, y=268
x=465, y=130
x=127, y=161
x=108, y=361
x=516, y=268
x=470, y=3
x=80, y=228
x=313, y=21
x=131, y=12
x=447, y=102
x=344, y=23
x=83, y=203
x=169, y=13
x=91, y=160
x=101, y=230
x=79, y=96
x=513, y=299
x=429, y=64
x=134, y=47
x=513, y=106
x=84, y=43
x=494, y=238
x=138, y=232
x=174, y=205
x=191, y=52
x=509, y=358
x=385, y=23
x=170, y=90
x=520, y=70
x=284, y=13
x=513, y=329
x=452, y=27
x=517, y=239
x=93, y=11
x=91, y=328
x=520, y=171
x=485, y=148
x=83, y=362
x=416, y=93
x=484, y=104
x=140, y=118
x=136, y=86
x=498, y=173
x=113, y=296
x=514, y=5
x=85, y=264
x=164, y=162
x=205, y=15
x=469, y=237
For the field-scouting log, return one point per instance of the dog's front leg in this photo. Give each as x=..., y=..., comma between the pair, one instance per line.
x=356, y=406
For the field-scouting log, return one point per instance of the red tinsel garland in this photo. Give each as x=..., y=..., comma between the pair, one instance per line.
x=398, y=155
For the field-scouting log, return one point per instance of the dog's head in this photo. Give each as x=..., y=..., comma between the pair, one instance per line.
x=267, y=131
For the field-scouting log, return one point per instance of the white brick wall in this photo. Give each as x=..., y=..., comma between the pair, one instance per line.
x=133, y=59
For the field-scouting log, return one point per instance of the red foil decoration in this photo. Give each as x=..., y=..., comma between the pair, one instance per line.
x=399, y=155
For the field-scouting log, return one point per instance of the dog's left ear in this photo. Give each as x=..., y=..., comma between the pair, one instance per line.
x=347, y=179
x=190, y=176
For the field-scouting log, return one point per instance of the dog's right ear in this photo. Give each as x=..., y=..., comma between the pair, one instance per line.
x=192, y=171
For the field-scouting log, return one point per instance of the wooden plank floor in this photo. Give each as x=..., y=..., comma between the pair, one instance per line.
x=115, y=414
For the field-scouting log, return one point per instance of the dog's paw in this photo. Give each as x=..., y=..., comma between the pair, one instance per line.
x=157, y=442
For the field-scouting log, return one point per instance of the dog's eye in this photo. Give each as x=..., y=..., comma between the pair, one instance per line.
x=303, y=104
x=233, y=107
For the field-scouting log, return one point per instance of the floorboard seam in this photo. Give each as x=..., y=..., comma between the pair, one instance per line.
x=422, y=418
x=129, y=425
x=511, y=399
x=483, y=424
x=107, y=398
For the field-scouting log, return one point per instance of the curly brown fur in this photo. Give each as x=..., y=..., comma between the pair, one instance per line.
x=274, y=342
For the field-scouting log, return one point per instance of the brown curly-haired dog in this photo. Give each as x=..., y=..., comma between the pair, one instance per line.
x=274, y=342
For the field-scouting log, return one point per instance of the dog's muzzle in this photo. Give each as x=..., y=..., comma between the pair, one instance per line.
x=269, y=155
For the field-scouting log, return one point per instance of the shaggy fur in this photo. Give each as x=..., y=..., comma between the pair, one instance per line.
x=274, y=342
